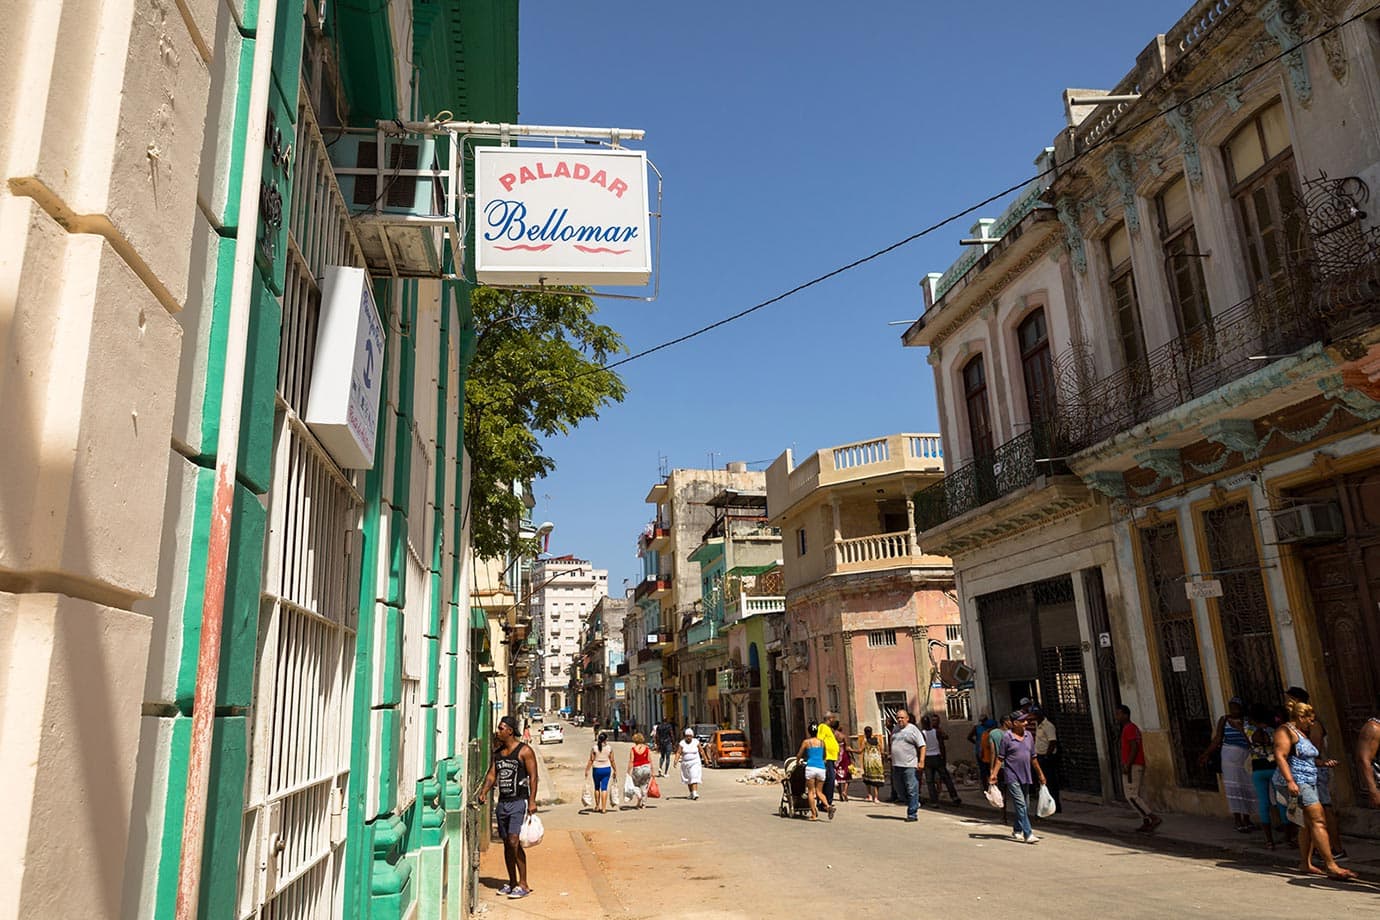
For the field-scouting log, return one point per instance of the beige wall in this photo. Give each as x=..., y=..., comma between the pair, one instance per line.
x=102, y=108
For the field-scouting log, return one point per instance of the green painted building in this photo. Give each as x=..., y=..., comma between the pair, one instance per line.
x=353, y=715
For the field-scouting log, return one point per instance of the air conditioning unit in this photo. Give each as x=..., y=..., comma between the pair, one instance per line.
x=355, y=157
x=1313, y=522
x=956, y=651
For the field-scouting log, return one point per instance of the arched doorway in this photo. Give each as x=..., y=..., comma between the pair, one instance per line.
x=554, y=703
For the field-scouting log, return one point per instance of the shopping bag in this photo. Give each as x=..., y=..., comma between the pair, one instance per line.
x=629, y=789
x=994, y=797
x=1046, y=806
x=615, y=798
x=531, y=832
x=587, y=796
x=653, y=791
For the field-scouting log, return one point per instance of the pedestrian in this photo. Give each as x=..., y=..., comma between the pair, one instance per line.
x=1296, y=772
x=1233, y=748
x=1260, y=730
x=873, y=767
x=1051, y=758
x=665, y=744
x=907, y=754
x=976, y=734
x=826, y=734
x=843, y=774
x=1318, y=735
x=640, y=767
x=936, y=763
x=1133, y=769
x=600, y=766
x=527, y=731
x=688, y=758
x=1368, y=760
x=1017, y=768
x=1025, y=705
x=514, y=772
x=816, y=769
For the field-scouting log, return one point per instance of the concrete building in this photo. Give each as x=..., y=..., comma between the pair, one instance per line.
x=870, y=612
x=740, y=577
x=230, y=656
x=1208, y=355
x=601, y=652
x=564, y=591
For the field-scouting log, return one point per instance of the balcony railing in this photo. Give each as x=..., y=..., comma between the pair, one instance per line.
x=749, y=605
x=1014, y=465
x=645, y=655
x=875, y=548
x=1331, y=288
x=652, y=584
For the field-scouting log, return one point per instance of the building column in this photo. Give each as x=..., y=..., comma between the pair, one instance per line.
x=849, y=688
x=913, y=547
x=920, y=645
x=838, y=531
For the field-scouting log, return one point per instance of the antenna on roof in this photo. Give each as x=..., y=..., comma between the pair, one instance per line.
x=663, y=465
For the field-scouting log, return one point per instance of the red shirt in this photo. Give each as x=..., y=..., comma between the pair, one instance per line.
x=643, y=759
x=1130, y=732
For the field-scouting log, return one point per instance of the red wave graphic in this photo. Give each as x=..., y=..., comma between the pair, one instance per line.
x=524, y=247
x=594, y=249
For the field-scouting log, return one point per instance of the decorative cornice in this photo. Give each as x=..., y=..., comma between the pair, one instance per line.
x=1180, y=118
x=1167, y=463
x=1120, y=167
x=1235, y=434
x=1281, y=21
x=996, y=285
x=1108, y=483
x=1067, y=209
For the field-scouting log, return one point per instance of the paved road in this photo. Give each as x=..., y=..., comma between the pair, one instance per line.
x=730, y=855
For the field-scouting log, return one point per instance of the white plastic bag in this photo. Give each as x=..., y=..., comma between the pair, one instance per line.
x=994, y=796
x=531, y=832
x=629, y=790
x=614, y=797
x=587, y=796
x=1046, y=806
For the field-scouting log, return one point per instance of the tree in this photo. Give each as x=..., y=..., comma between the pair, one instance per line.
x=537, y=371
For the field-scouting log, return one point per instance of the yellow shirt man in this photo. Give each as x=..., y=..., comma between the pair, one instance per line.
x=831, y=741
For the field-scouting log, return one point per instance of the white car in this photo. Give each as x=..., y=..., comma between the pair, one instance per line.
x=552, y=732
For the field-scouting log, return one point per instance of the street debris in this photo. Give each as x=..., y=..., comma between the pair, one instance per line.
x=771, y=774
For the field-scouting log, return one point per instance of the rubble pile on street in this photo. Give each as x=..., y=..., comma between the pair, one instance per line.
x=762, y=776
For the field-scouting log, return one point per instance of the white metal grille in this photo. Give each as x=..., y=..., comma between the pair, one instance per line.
x=292, y=854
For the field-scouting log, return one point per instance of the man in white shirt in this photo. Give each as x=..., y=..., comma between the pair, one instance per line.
x=907, y=754
x=1047, y=749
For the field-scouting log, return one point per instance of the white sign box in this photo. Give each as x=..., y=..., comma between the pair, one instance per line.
x=557, y=216
x=347, y=378
x=1210, y=587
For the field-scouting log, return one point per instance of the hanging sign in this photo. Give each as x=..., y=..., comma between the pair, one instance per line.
x=561, y=216
x=1209, y=587
x=347, y=375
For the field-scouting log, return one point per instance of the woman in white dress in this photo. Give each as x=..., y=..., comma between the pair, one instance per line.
x=688, y=756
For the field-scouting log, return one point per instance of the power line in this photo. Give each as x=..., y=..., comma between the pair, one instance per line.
x=1117, y=131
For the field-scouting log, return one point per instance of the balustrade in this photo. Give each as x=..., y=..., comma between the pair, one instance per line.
x=875, y=548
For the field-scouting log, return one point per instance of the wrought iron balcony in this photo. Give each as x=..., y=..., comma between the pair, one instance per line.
x=1014, y=465
x=1329, y=290
x=652, y=585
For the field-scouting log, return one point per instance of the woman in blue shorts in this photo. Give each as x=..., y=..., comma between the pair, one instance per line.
x=1296, y=775
x=601, y=765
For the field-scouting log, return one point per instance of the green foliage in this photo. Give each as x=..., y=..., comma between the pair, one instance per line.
x=536, y=372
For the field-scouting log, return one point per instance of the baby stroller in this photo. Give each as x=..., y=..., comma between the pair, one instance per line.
x=793, y=800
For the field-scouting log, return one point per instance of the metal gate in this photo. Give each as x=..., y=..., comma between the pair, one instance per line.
x=294, y=824
x=1243, y=610
x=1176, y=642
x=1104, y=658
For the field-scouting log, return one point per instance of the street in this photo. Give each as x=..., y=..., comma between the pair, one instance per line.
x=730, y=855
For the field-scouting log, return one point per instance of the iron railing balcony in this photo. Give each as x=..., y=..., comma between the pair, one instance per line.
x=1013, y=466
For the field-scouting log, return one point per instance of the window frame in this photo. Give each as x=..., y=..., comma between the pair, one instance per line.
x=1177, y=236
x=1044, y=408
x=978, y=407
x=1120, y=273
x=1243, y=193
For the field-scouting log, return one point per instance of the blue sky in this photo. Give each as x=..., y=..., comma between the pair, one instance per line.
x=794, y=137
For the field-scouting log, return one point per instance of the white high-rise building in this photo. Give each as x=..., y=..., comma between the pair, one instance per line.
x=565, y=591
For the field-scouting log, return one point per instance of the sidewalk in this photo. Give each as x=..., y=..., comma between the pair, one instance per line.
x=563, y=871
x=1186, y=834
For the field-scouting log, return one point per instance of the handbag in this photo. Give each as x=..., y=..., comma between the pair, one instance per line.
x=653, y=791
x=1045, y=806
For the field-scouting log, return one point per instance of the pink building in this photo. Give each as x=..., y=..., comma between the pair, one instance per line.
x=870, y=617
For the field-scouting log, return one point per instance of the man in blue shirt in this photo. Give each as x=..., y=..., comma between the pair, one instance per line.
x=1018, y=767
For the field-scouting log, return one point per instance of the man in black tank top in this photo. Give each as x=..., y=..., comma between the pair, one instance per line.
x=514, y=772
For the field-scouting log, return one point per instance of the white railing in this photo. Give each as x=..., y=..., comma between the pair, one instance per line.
x=861, y=454
x=925, y=447
x=875, y=548
x=762, y=603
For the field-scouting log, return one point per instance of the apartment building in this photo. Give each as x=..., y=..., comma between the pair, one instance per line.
x=564, y=592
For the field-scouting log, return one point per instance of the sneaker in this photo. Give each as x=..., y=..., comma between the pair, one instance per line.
x=1032, y=839
x=518, y=892
x=912, y=818
x=831, y=812
x=1015, y=835
x=505, y=889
